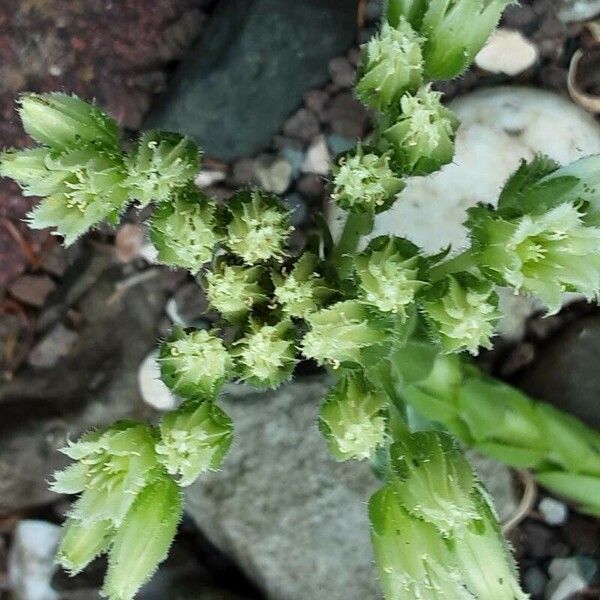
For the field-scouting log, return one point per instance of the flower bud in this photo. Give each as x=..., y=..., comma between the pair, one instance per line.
x=392, y=64
x=266, y=355
x=365, y=182
x=183, y=229
x=194, y=439
x=85, y=187
x=388, y=274
x=484, y=558
x=143, y=540
x=258, y=226
x=60, y=121
x=422, y=139
x=433, y=481
x=81, y=542
x=194, y=365
x=346, y=332
x=352, y=418
x=112, y=466
x=301, y=291
x=454, y=32
x=542, y=255
x=463, y=312
x=412, y=557
x=234, y=290
x=160, y=163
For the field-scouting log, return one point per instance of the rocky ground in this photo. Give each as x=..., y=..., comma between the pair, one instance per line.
x=265, y=87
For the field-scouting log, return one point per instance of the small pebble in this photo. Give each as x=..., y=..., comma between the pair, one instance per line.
x=303, y=125
x=208, y=177
x=32, y=289
x=295, y=157
x=311, y=186
x=56, y=261
x=341, y=71
x=318, y=159
x=347, y=116
x=338, y=143
x=565, y=587
x=507, y=51
x=129, y=240
x=243, y=172
x=553, y=511
x=534, y=581
x=315, y=100
x=274, y=174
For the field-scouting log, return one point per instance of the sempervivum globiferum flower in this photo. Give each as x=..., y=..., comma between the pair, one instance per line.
x=266, y=355
x=462, y=310
x=346, y=332
x=183, y=230
x=234, y=290
x=422, y=136
x=258, y=226
x=392, y=63
x=113, y=465
x=194, y=439
x=364, y=181
x=433, y=480
x=194, y=364
x=388, y=274
x=453, y=30
x=353, y=418
x=301, y=291
x=540, y=254
x=82, y=186
x=159, y=163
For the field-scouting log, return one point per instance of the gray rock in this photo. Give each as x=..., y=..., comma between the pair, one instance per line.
x=288, y=514
x=250, y=70
x=302, y=125
x=52, y=347
x=291, y=517
x=31, y=560
x=295, y=157
x=553, y=511
x=534, y=581
x=342, y=71
x=94, y=385
x=579, y=10
x=565, y=372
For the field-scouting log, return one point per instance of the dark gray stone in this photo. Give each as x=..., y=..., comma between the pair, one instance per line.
x=250, y=70
x=566, y=373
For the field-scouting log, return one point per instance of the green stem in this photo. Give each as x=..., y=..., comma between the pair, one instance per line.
x=356, y=226
x=459, y=264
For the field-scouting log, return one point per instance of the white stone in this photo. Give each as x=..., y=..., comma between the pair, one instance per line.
x=208, y=177
x=507, y=51
x=553, y=511
x=152, y=389
x=31, y=560
x=500, y=126
x=274, y=174
x=318, y=158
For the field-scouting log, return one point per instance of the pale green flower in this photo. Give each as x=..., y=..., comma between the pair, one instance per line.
x=183, y=230
x=60, y=121
x=160, y=163
x=194, y=365
x=194, y=439
x=392, y=64
x=433, y=480
x=301, y=291
x=413, y=559
x=346, y=332
x=388, y=274
x=234, y=290
x=142, y=542
x=422, y=138
x=83, y=186
x=453, y=30
x=258, y=228
x=113, y=465
x=353, y=418
x=464, y=314
x=543, y=255
x=365, y=182
x=266, y=355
